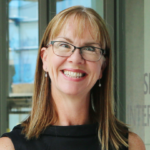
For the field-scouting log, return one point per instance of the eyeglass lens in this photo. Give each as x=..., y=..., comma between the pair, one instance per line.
x=88, y=52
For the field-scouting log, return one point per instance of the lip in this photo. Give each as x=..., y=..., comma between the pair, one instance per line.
x=74, y=79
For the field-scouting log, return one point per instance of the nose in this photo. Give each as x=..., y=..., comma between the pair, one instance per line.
x=76, y=57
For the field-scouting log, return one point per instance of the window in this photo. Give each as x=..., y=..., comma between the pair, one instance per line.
x=95, y=4
x=23, y=46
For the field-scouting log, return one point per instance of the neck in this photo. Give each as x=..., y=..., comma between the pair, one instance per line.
x=71, y=109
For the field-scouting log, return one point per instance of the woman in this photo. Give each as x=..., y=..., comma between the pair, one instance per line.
x=73, y=94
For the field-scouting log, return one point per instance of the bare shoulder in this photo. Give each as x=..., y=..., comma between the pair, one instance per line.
x=6, y=144
x=135, y=142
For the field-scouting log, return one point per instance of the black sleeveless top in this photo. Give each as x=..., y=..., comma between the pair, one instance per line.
x=79, y=137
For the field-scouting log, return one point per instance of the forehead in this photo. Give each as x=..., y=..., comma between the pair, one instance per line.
x=78, y=27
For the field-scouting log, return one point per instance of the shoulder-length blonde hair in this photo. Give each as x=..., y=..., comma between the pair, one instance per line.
x=44, y=111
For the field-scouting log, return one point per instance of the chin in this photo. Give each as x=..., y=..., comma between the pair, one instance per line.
x=71, y=91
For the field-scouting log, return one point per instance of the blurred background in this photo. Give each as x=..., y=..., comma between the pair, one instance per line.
x=22, y=24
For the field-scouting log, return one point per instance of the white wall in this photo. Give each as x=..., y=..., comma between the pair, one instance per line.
x=147, y=72
x=137, y=46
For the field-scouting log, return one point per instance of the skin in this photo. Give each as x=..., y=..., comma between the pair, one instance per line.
x=72, y=98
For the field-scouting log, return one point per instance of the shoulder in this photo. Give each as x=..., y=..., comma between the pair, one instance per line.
x=9, y=140
x=6, y=144
x=135, y=142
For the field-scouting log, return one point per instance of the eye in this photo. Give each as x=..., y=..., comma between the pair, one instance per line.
x=64, y=45
x=89, y=48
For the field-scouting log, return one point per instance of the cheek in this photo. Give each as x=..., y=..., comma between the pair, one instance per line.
x=54, y=64
x=96, y=69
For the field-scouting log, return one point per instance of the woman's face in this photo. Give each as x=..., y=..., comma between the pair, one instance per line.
x=57, y=66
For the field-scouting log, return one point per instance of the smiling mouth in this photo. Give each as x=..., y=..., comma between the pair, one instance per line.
x=72, y=74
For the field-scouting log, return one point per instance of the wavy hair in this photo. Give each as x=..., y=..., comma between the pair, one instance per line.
x=44, y=113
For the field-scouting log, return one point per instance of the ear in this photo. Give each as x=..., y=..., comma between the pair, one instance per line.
x=44, y=55
x=105, y=62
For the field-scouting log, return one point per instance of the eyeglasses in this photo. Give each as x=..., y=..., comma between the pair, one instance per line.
x=65, y=49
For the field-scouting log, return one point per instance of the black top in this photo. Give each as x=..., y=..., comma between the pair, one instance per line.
x=79, y=137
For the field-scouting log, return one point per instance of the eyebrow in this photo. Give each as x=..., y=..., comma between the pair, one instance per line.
x=67, y=39
x=70, y=41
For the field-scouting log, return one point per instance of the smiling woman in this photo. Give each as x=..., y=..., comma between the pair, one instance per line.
x=73, y=95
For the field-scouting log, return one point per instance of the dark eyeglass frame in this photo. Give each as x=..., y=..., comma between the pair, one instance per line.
x=104, y=52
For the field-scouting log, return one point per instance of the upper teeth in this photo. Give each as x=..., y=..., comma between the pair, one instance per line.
x=73, y=74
